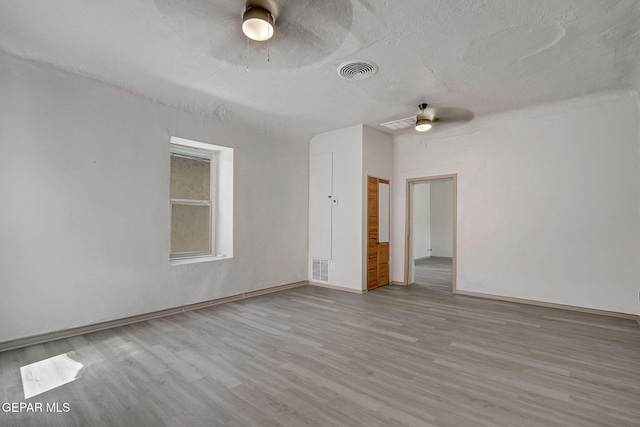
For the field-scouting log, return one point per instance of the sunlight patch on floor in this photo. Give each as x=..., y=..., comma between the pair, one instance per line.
x=48, y=374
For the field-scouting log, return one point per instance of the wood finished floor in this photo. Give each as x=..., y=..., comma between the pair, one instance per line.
x=435, y=272
x=319, y=357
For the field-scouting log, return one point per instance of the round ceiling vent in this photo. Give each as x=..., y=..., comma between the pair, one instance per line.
x=357, y=69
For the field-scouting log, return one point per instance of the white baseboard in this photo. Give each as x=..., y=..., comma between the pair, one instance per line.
x=338, y=288
x=549, y=304
x=67, y=333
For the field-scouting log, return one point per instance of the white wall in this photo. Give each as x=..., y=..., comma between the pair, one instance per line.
x=320, y=205
x=378, y=163
x=84, y=223
x=441, y=207
x=358, y=152
x=421, y=216
x=378, y=154
x=548, y=201
x=346, y=233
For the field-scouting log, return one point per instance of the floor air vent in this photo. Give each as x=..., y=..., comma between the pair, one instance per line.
x=320, y=268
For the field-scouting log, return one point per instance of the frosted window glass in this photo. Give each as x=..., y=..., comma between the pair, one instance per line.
x=190, y=178
x=190, y=228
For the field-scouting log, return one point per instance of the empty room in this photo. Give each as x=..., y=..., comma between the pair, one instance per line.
x=320, y=213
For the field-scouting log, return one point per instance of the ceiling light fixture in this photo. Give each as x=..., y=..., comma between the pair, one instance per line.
x=257, y=23
x=423, y=125
x=423, y=122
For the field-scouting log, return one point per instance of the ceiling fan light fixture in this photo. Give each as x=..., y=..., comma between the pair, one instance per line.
x=257, y=23
x=423, y=125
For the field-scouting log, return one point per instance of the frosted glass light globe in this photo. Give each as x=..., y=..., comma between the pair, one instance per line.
x=423, y=125
x=257, y=24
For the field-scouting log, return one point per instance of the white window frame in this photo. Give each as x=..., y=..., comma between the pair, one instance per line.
x=211, y=157
x=221, y=211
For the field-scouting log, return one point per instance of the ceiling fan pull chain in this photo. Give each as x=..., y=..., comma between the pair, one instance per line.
x=270, y=31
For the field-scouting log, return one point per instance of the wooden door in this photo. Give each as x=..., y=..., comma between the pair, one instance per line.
x=377, y=250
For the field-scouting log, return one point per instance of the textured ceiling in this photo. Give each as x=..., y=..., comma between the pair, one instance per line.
x=483, y=55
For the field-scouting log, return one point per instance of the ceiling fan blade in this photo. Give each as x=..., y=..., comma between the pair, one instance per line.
x=439, y=115
x=306, y=31
x=449, y=114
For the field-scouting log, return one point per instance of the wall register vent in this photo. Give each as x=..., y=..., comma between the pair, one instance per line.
x=320, y=269
x=400, y=124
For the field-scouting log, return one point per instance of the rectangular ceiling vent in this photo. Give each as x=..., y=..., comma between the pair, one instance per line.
x=320, y=269
x=400, y=124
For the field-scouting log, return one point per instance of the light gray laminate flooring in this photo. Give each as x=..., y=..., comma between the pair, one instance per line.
x=436, y=273
x=311, y=356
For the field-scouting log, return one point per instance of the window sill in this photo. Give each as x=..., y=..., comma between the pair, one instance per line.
x=195, y=260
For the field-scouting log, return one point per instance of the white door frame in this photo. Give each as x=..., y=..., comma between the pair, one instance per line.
x=408, y=262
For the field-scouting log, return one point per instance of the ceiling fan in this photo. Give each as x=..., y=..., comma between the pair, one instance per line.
x=295, y=33
x=429, y=117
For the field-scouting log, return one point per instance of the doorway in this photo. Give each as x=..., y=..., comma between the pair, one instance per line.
x=378, y=207
x=430, y=246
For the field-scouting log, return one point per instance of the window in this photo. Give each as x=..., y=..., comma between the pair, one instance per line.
x=191, y=202
x=201, y=199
